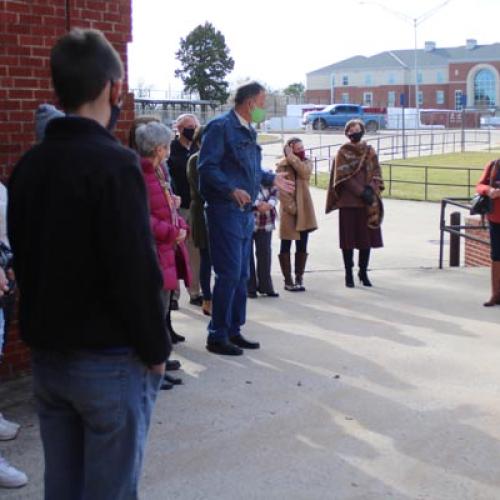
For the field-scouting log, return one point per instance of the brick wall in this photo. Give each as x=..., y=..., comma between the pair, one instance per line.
x=28, y=30
x=476, y=253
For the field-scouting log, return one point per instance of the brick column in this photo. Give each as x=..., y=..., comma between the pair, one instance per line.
x=476, y=253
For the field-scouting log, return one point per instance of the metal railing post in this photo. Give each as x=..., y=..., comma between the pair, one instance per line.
x=455, y=240
x=390, y=179
x=441, y=234
x=426, y=183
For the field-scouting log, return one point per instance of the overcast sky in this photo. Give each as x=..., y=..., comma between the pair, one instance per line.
x=278, y=42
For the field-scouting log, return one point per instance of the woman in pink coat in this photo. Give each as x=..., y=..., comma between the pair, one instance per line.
x=169, y=229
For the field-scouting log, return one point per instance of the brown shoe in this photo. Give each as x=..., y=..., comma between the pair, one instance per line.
x=206, y=307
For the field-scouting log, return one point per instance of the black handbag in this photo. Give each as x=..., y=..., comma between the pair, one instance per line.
x=480, y=203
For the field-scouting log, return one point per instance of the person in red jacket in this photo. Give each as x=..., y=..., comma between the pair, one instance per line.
x=489, y=185
x=169, y=228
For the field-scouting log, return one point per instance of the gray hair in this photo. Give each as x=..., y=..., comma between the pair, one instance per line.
x=182, y=118
x=151, y=135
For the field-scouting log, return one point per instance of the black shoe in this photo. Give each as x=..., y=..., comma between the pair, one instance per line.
x=174, y=305
x=271, y=294
x=242, y=342
x=224, y=348
x=176, y=338
x=172, y=380
x=172, y=364
x=363, y=277
x=252, y=295
x=166, y=386
x=349, y=280
x=196, y=301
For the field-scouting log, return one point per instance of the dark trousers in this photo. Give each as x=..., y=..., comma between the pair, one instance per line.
x=300, y=245
x=495, y=241
x=205, y=273
x=260, y=279
x=230, y=235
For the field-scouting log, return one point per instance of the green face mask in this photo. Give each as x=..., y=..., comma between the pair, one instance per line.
x=258, y=115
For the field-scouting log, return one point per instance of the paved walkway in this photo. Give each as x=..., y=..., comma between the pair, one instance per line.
x=365, y=394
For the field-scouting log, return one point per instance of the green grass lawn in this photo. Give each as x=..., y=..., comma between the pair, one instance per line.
x=457, y=170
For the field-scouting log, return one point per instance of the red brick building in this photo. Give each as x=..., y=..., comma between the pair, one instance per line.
x=28, y=29
x=444, y=76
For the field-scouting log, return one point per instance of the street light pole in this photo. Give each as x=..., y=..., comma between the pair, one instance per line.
x=417, y=104
x=416, y=21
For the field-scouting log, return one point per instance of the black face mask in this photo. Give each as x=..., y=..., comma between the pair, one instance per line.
x=113, y=119
x=188, y=133
x=355, y=136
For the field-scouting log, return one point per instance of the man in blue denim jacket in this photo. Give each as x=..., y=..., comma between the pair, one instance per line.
x=230, y=177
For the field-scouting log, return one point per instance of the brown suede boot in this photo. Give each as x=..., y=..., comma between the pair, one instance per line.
x=300, y=266
x=286, y=269
x=495, y=285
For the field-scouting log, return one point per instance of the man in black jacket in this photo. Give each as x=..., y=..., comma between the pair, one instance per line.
x=90, y=303
x=181, y=149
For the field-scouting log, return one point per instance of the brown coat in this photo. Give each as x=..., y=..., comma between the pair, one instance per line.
x=296, y=209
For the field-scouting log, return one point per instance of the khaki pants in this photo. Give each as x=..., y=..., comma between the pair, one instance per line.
x=194, y=259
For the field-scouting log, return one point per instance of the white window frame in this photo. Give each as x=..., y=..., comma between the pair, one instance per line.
x=391, y=98
x=365, y=100
x=345, y=97
x=345, y=80
x=439, y=93
x=458, y=103
x=420, y=97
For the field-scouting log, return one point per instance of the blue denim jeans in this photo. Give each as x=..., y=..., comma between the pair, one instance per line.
x=230, y=234
x=94, y=410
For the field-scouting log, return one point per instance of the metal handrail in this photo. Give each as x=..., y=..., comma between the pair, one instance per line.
x=464, y=204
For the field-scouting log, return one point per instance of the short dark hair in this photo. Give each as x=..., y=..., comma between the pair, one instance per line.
x=82, y=63
x=247, y=91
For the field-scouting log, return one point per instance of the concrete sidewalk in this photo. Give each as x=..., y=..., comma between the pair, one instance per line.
x=389, y=392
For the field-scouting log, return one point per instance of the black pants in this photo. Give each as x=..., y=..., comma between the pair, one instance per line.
x=300, y=245
x=260, y=279
x=495, y=241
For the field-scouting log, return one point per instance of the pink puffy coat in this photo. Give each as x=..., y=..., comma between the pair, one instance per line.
x=172, y=257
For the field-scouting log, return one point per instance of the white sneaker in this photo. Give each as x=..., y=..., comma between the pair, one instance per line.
x=8, y=430
x=10, y=477
x=9, y=423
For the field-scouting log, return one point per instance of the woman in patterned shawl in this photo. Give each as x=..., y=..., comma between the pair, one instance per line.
x=355, y=187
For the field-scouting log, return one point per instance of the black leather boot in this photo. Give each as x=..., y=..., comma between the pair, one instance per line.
x=348, y=265
x=364, y=258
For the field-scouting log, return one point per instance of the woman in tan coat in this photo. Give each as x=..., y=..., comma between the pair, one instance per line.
x=297, y=218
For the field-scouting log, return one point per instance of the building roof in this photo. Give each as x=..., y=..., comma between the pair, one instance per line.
x=405, y=58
